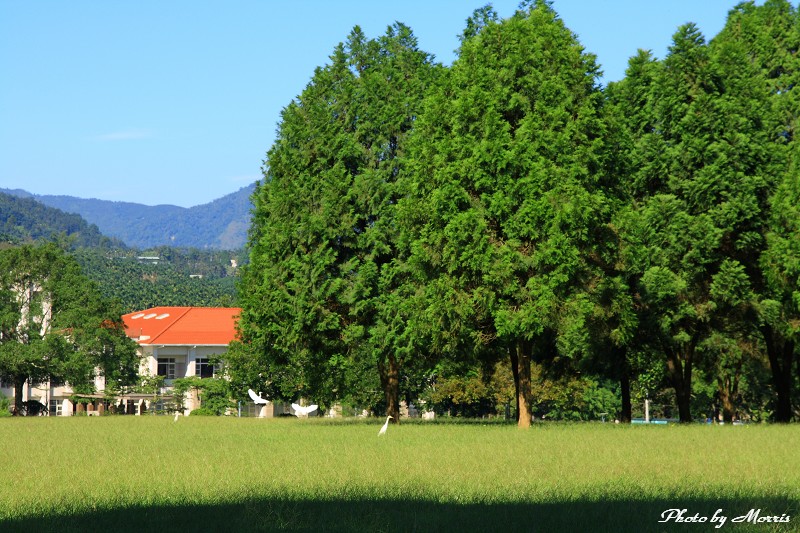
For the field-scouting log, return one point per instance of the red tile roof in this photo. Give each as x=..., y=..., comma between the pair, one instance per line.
x=206, y=326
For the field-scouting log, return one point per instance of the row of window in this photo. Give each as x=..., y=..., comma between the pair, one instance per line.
x=167, y=367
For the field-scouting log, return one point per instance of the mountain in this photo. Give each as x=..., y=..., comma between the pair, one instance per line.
x=221, y=224
x=24, y=219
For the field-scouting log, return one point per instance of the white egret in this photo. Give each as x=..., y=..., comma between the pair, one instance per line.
x=257, y=397
x=299, y=410
x=177, y=414
x=385, y=426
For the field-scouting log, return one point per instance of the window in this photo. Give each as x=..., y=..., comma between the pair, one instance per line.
x=166, y=367
x=56, y=407
x=203, y=368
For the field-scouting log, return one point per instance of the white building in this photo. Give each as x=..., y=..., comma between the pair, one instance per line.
x=178, y=342
x=174, y=342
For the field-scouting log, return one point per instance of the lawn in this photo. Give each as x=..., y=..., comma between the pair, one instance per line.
x=227, y=474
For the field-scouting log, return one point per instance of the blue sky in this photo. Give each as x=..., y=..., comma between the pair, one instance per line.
x=176, y=102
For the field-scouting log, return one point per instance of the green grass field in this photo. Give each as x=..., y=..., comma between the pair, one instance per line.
x=229, y=474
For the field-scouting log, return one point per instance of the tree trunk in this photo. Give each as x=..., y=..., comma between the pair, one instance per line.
x=390, y=381
x=683, y=398
x=679, y=367
x=524, y=387
x=728, y=388
x=19, y=384
x=625, y=392
x=515, y=373
x=780, y=352
x=725, y=398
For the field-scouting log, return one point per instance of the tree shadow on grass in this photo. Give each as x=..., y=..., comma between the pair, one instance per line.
x=255, y=515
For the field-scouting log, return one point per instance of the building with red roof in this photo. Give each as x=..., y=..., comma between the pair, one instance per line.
x=174, y=342
x=178, y=342
x=183, y=326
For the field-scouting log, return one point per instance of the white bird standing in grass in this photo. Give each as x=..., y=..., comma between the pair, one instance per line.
x=257, y=397
x=177, y=414
x=299, y=410
x=385, y=426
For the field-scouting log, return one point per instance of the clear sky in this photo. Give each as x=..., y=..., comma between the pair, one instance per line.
x=176, y=102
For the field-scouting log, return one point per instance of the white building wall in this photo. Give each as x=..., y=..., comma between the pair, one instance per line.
x=185, y=358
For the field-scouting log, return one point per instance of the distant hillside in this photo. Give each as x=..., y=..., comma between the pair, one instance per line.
x=221, y=224
x=25, y=219
x=179, y=276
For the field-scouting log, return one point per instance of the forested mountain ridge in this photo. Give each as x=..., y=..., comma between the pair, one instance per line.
x=221, y=224
x=25, y=219
x=135, y=278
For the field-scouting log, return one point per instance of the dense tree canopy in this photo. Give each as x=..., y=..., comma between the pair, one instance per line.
x=54, y=325
x=510, y=191
x=770, y=37
x=26, y=220
x=699, y=190
x=179, y=277
x=320, y=295
x=441, y=233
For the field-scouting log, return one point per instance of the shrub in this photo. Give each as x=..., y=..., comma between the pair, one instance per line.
x=203, y=411
x=5, y=405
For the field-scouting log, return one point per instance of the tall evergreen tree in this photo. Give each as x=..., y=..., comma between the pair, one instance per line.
x=781, y=303
x=323, y=291
x=614, y=327
x=770, y=35
x=699, y=200
x=508, y=200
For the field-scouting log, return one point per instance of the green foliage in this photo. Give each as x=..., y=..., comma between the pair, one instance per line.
x=510, y=191
x=221, y=224
x=421, y=221
x=150, y=384
x=27, y=220
x=55, y=324
x=324, y=291
x=468, y=396
x=203, y=411
x=703, y=159
x=180, y=277
x=564, y=397
x=5, y=406
x=214, y=393
x=570, y=397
